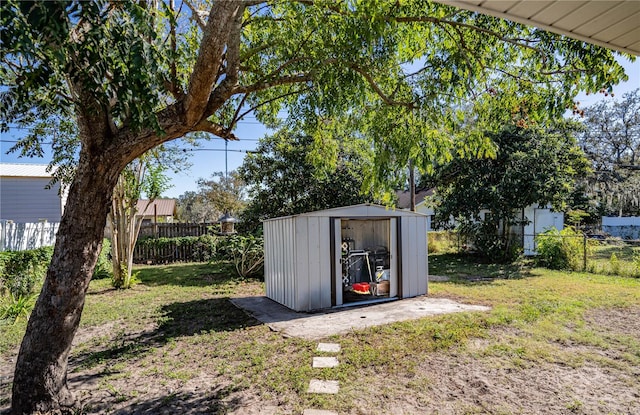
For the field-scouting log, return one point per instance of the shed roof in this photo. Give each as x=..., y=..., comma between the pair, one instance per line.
x=163, y=207
x=25, y=170
x=355, y=211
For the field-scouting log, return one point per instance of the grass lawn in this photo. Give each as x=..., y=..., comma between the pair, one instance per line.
x=554, y=342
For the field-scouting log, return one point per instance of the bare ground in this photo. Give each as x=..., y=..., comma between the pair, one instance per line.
x=482, y=377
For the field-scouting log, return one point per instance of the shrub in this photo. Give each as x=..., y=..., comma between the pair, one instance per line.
x=614, y=263
x=21, y=271
x=104, y=268
x=561, y=249
x=245, y=252
x=442, y=241
x=17, y=307
x=486, y=240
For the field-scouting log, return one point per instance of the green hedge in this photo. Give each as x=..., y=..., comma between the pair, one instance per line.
x=22, y=271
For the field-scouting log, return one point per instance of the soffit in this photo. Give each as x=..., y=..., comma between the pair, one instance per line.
x=611, y=24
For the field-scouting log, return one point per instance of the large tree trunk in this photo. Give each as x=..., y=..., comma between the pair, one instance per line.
x=40, y=380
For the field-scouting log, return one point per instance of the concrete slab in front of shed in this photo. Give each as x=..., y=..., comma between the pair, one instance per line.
x=344, y=320
x=323, y=386
x=318, y=412
x=328, y=347
x=325, y=362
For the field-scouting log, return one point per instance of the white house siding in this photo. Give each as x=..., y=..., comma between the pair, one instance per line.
x=25, y=236
x=26, y=199
x=540, y=220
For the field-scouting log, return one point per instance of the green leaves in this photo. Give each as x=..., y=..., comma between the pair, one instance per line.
x=530, y=166
x=292, y=173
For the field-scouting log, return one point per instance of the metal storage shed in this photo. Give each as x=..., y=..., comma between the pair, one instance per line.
x=348, y=255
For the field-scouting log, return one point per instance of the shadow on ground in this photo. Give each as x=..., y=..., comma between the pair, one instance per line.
x=215, y=401
x=467, y=268
x=179, y=320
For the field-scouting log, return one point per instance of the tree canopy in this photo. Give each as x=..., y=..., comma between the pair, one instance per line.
x=134, y=75
x=531, y=166
x=284, y=179
x=611, y=140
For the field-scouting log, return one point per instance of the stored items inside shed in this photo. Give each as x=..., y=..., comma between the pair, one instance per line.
x=365, y=257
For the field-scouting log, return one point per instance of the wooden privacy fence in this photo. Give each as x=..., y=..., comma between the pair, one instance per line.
x=161, y=243
x=168, y=250
x=25, y=236
x=174, y=230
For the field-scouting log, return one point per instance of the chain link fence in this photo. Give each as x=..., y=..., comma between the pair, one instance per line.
x=594, y=253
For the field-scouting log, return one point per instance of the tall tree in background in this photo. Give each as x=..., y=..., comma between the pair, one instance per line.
x=531, y=166
x=224, y=193
x=284, y=179
x=611, y=140
x=135, y=75
x=194, y=208
x=216, y=196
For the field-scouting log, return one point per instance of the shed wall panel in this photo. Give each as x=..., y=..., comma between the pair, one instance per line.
x=301, y=275
x=279, y=257
x=312, y=271
x=414, y=256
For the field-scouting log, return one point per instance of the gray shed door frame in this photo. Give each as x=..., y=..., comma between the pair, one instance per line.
x=335, y=237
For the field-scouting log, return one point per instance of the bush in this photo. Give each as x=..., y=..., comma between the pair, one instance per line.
x=104, y=268
x=561, y=249
x=486, y=240
x=17, y=307
x=21, y=271
x=442, y=241
x=245, y=252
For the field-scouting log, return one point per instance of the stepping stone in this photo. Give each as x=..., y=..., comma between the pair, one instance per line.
x=328, y=347
x=325, y=362
x=323, y=386
x=318, y=412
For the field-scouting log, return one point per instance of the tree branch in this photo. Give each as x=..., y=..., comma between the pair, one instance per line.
x=367, y=76
x=215, y=38
x=195, y=13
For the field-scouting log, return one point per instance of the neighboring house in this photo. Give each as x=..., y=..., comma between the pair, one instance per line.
x=538, y=219
x=25, y=196
x=158, y=211
x=404, y=202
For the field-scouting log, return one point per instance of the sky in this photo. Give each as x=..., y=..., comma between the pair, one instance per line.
x=209, y=158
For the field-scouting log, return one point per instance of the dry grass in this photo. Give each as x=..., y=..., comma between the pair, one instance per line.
x=175, y=344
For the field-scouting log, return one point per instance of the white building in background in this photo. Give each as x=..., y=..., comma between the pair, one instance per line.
x=538, y=219
x=25, y=195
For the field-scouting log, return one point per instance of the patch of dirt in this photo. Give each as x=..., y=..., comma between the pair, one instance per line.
x=625, y=321
x=447, y=383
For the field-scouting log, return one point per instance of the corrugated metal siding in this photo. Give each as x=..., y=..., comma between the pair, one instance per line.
x=24, y=200
x=313, y=262
x=298, y=259
x=414, y=256
x=279, y=261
